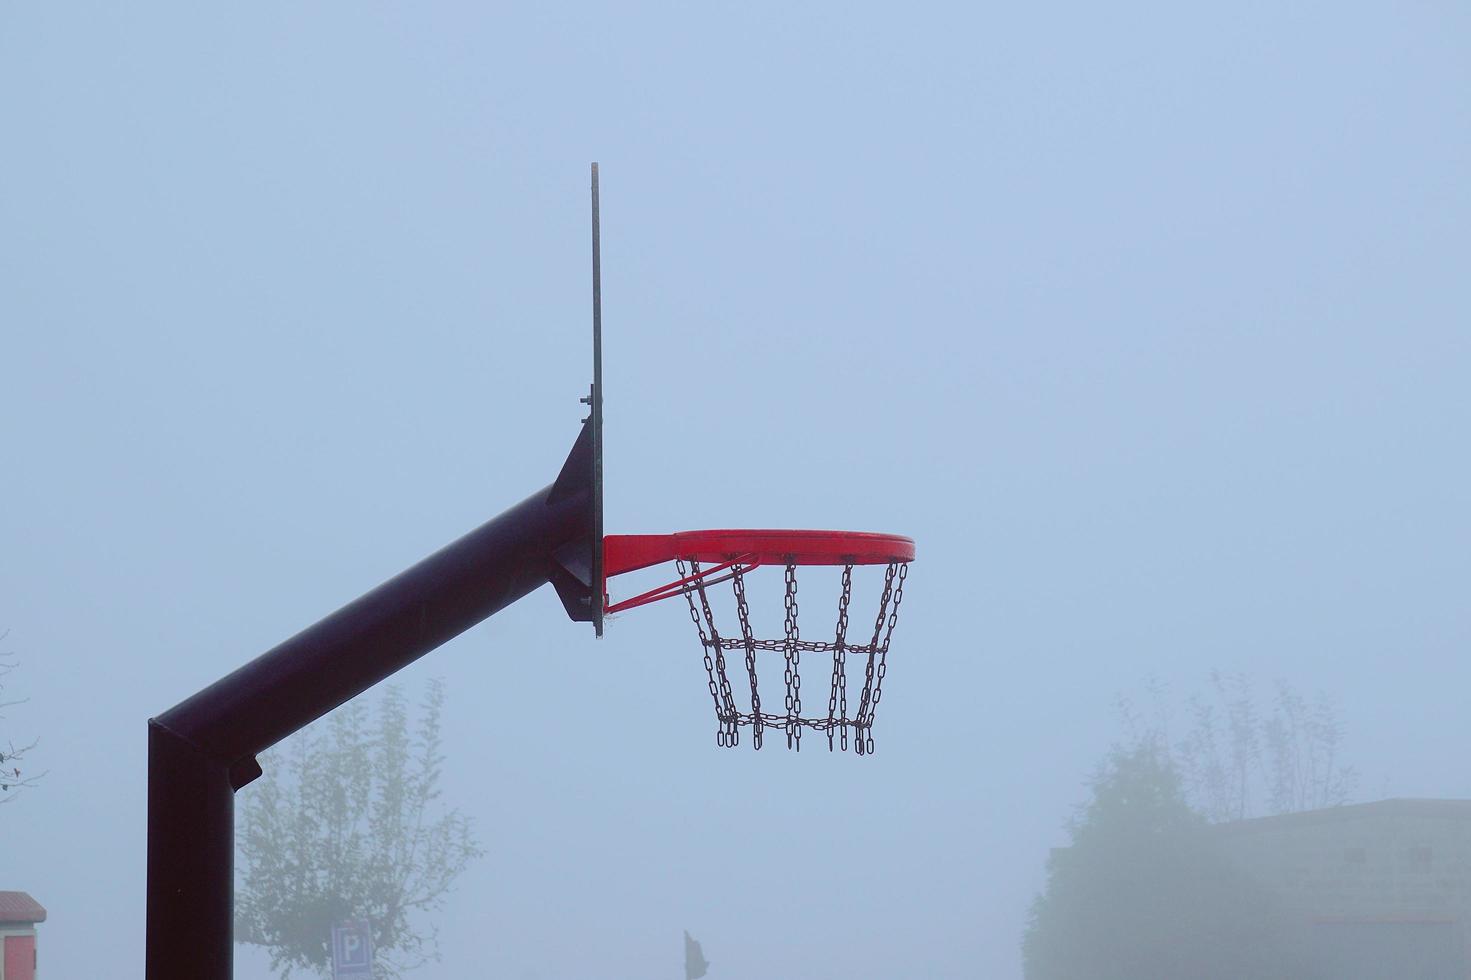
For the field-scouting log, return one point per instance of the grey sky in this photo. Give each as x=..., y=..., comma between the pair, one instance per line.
x=1148, y=323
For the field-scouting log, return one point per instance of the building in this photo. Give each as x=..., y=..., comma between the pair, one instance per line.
x=19, y=914
x=1382, y=890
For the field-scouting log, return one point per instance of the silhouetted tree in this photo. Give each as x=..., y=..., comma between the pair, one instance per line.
x=1241, y=756
x=1142, y=894
x=345, y=826
x=14, y=776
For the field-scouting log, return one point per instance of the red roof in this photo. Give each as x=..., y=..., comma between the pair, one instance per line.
x=20, y=907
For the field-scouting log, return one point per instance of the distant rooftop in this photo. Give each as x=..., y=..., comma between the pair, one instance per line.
x=1436, y=809
x=20, y=907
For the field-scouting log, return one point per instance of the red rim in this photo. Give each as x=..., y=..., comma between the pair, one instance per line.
x=745, y=548
x=628, y=552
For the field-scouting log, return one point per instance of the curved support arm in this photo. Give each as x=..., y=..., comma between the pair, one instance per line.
x=203, y=749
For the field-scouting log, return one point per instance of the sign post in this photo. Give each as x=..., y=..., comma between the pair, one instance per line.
x=352, y=950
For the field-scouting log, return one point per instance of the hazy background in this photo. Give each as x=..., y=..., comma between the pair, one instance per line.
x=1148, y=323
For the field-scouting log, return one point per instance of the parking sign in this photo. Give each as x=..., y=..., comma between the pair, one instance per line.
x=352, y=951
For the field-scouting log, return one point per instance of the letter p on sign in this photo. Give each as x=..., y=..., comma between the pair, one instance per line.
x=352, y=950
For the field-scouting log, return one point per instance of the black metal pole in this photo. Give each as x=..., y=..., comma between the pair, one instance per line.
x=191, y=861
x=203, y=749
x=595, y=405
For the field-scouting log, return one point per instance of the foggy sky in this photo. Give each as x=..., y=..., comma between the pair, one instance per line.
x=1150, y=325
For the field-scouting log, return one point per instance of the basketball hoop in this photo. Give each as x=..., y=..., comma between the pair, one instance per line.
x=708, y=558
x=203, y=749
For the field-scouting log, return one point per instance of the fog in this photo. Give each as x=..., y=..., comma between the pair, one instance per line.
x=1148, y=324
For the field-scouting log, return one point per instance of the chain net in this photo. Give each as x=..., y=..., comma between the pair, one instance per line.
x=842, y=730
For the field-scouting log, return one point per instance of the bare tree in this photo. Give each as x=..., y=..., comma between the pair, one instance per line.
x=1241, y=756
x=13, y=776
x=1303, y=741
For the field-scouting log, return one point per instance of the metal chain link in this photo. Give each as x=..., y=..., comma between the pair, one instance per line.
x=806, y=646
x=861, y=724
x=837, y=699
x=689, y=596
x=743, y=612
x=883, y=655
x=837, y=723
x=728, y=733
x=792, y=674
